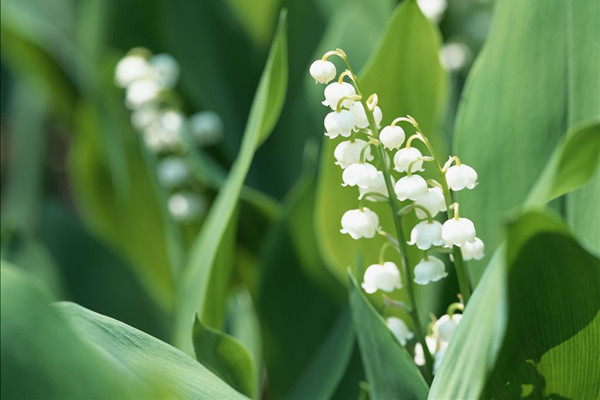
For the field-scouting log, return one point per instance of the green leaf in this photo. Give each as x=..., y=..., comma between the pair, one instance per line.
x=390, y=370
x=196, y=276
x=535, y=79
x=226, y=357
x=415, y=87
x=144, y=358
x=573, y=163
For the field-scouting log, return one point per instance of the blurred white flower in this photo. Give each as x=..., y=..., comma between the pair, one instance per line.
x=433, y=9
x=348, y=152
x=173, y=172
x=457, y=232
x=142, y=92
x=131, y=68
x=144, y=116
x=165, y=134
x=430, y=269
x=426, y=234
x=335, y=91
x=165, y=70
x=206, y=127
x=360, y=174
x=460, y=177
x=187, y=206
x=361, y=223
x=322, y=71
x=419, y=355
x=339, y=123
x=392, y=137
x=384, y=277
x=433, y=201
x=410, y=187
x=404, y=157
x=455, y=56
x=444, y=327
x=399, y=329
x=473, y=250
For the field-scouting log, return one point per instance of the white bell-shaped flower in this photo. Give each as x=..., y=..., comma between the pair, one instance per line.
x=377, y=186
x=339, y=123
x=348, y=152
x=165, y=69
x=361, y=223
x=457, y=232
x=399, y=329
x=206, y=127
x=433, y=201
x=142, y=92
x=131, y=68
x=404, y=157
x=426, y=234
x=392, y=137
x=172, y=172
x=473, y=250
x=430, y=269
x=384, y=277
x=360, y=174
x=460, y=177
x=444, y=327
x=187, y=206
x=437, y=359
x=335, y=91
x=410, y=187
x=360, y=117
x=420, y=355
x=322, y=71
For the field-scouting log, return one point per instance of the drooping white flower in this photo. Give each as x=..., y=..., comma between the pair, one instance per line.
x=360, y=223
x=339, y=123
x=410, y=187
x=426, y=234
x=384, y=277
x=433, y=201
x=131, y=68
x=460, y=177
x=172, y=172
x=322, y=71
x=187, y=206
x=142, y=92
x=404, y=157
x=335, y=91
x=430, y=269
x=377, y=186
x=399, y=329
x=392, y=137
x=206, y=127
x=473, y=250
x=348, y=152
x=457, y=232
x=165, y=70
x=420, y=355
x=360, y=174
x=433, y=9
x=444, y=327
x=360, y=117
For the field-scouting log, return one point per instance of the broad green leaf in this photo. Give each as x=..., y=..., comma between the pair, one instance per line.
x=196, y=277
x=406, y=74
x=390, y=370
x=144, y=358
x=475, y=346
x=571, y=166
x=551, y=342
x=257, y=17
x=226, y=357
x=535, y=79
x=42, y=358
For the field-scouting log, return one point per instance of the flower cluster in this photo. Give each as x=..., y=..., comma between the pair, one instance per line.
x=149, y=82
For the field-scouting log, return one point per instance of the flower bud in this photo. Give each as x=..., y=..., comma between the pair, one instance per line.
x=165, y=70
x=433, y=201
x=322, y=71
x=426, y=234
x=206, y=127
x=404, y=157
x=457, y=232
x=410, y=187
x=430, y=269
x=187, y=206
x=348, y=152
x=460, y=177
x=377, y=186
x=384, y=277
x=335, y=91
x=392, y=137
x=339, y=123
x=360, y=174
x=399, y=329
x=172, y=172
x=360, y=223
x=473, y=250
